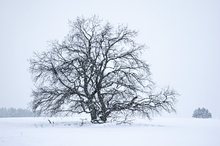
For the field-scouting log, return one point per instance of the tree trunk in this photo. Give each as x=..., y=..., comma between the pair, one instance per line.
x=103, y=118
x=93, y=114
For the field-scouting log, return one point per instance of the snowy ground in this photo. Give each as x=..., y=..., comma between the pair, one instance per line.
x=69, y=132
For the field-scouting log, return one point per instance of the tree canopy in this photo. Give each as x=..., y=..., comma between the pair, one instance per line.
x=97, y=70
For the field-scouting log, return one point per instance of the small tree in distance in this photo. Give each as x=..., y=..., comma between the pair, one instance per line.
x=96, y=70
x=202, y=113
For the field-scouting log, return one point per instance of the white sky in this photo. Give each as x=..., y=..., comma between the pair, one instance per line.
x=183, y=37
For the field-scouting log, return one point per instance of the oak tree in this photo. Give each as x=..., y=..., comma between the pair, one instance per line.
x=97, y=70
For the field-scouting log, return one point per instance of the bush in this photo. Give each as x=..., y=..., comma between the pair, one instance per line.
x=201, y=113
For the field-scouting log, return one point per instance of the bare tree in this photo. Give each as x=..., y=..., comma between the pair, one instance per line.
x=96, y=70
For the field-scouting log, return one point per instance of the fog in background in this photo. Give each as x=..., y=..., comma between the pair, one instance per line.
x=183, y=39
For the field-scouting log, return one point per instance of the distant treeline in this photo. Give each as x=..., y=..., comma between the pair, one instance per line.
x=13, y=112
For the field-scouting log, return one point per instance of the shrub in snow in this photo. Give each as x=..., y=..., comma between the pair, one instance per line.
x=201, y=113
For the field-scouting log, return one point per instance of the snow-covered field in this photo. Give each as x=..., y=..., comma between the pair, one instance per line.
x=70, y=132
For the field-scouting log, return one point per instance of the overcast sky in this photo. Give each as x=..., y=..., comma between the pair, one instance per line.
x=183, y=37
